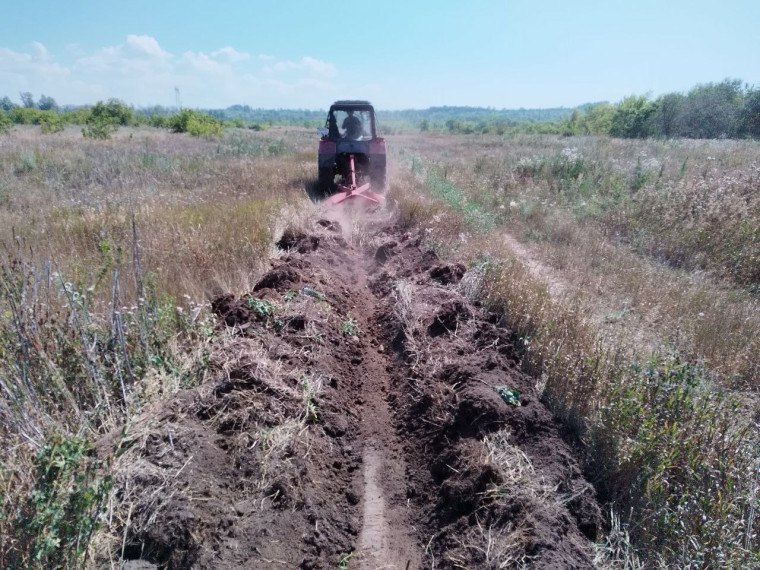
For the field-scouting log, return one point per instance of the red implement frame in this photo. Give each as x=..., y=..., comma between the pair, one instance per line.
x=351, y=191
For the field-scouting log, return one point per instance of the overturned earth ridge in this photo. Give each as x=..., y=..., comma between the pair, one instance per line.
x=363, y=412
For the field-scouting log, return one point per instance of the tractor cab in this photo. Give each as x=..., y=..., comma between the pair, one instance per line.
x=351, y=120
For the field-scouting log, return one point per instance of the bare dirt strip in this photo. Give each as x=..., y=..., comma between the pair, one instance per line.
x=364, y=413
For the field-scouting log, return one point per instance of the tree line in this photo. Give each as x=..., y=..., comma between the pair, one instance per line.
x=103, y=119
x=728, y=109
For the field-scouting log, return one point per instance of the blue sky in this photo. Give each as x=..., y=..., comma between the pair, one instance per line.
x=398, y=54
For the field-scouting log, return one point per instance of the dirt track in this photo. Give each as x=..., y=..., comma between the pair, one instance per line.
x=355, y=420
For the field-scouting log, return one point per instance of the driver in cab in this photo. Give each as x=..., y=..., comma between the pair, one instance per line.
x=353, y=126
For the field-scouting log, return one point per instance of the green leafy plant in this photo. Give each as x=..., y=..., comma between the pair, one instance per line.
x=62, y=510
x=106, y=118
x=5, y=122
x=99, y=129
x=195, y=123
x=51, y=122
x=510, y=395
x=350, y=327
x=262, y=308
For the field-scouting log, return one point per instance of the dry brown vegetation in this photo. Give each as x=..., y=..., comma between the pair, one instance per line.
x=629, y=270
x=653, y=361
x=110, y=249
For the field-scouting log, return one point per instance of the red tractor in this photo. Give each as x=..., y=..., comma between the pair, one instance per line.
x=351, y=149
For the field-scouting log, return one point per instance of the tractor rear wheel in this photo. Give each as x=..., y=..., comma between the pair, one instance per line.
x=377, y=178
x=326, y=181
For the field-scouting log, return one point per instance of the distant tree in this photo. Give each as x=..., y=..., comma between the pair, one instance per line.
x=453, y=125
x=631, y=117
x=501, y=126
x=47, y=103
x=27, y=100
x=196, y=123
x=598, y=119
x=25, y=115
x=710, y=110
x=749, y=115
x=665, y=120
x=6, y=104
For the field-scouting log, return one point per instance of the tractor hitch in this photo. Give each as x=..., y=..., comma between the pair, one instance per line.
x=351, y=190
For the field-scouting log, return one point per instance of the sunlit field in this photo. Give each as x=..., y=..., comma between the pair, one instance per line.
x=628, y=270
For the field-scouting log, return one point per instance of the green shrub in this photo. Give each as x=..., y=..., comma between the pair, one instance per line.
x=99, y=129
x=25, y=116
x=159, y=121
x=54, y=524
x=113, y=111
x=5, y=122
x=681, y=456
x=195, y=123
x=77, y=116
x=106, y=118
x=51, y=122
x=631, y=117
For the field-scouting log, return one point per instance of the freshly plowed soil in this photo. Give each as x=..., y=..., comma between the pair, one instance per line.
x=364, y=414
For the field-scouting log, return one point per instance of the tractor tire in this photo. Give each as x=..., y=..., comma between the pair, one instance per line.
x=326, y=181
x=377, y=179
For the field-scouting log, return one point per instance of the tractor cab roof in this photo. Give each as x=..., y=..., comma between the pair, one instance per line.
x=352, y=105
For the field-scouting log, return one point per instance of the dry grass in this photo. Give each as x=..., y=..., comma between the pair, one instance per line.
x=633, y=354
x=110, y=250
x=203, y=204
x=586, y=208
x=652, y=246
x=507, y=545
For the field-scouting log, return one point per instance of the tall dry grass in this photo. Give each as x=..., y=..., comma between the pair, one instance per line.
x=109, y=252
x=591, y=208
x=650, y=390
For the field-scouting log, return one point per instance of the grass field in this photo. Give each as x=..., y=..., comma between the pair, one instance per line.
x=628, y=269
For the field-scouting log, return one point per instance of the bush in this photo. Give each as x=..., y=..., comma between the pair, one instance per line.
x=53, y=526
x=25, y=116
x=51, y=122
x=5, y=122
x=195, y=123
x=679, y=453
x=105, y=119
x=99, y=130
x=114, y=111
x=77, y=116
x=159, y=121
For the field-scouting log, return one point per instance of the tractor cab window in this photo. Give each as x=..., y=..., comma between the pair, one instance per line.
x=351, y=125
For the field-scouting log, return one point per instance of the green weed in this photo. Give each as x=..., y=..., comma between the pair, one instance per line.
x=262, y=308
x=54, y=526
x=350, y=327
x=345, y=559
